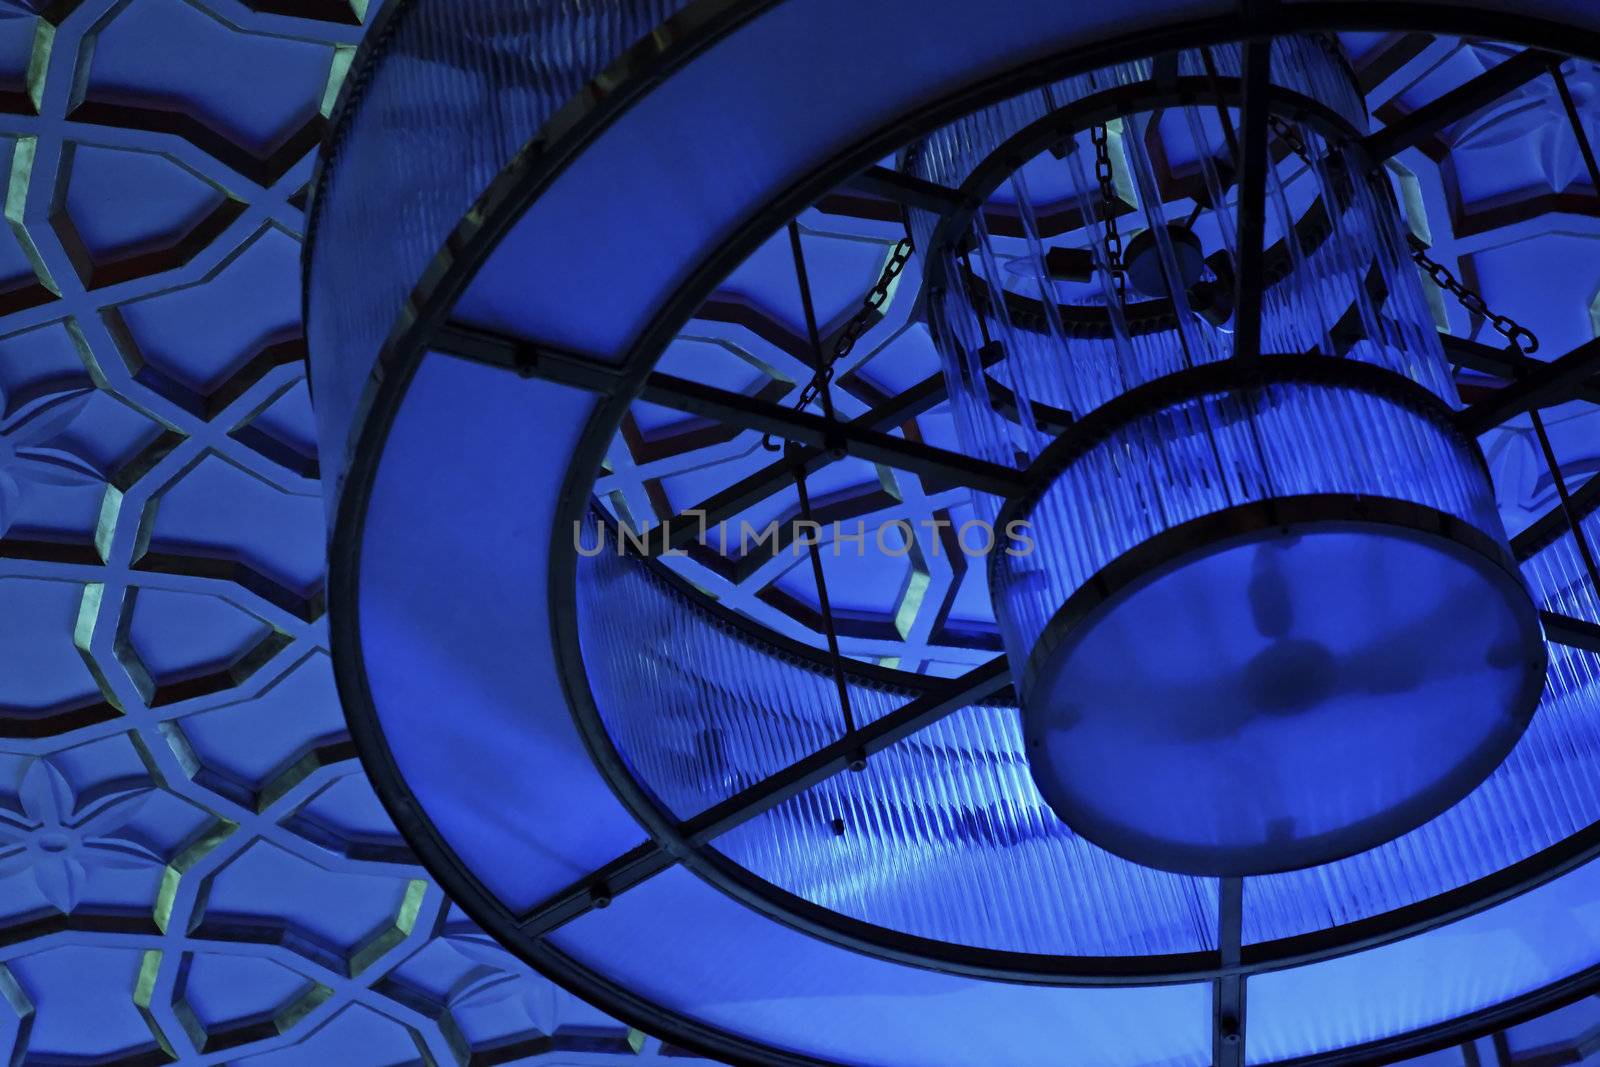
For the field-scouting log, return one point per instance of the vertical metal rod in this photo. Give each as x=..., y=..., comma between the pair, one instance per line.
x=983, y=321
x=1577, y=123
x=1228, y=135
x=835, y=660
x=1227, y=1044
x=819, y=361
x=1251, y=222
x=1574, y=522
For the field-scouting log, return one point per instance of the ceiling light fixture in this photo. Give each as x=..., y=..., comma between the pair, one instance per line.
x=1270, y=640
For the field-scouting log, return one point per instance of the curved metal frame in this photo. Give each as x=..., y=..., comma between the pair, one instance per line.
x=1221, y=376
x=1039, y=135
x=505, y=201
x=1243, y=524
x=1159, y=395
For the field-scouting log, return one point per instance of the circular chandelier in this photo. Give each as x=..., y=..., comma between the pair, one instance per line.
x=1275, y=695
x=1270, y=618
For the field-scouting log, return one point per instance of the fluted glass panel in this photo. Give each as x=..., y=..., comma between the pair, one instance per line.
x=466, y=84
x=944, y=836
x=1193, y=458
x=698, y=707
x=1543, y=793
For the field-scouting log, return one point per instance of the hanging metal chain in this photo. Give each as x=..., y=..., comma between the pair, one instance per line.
x=1108, y=207
x=1521, y=338
x=1290, y=137
x=870, y=312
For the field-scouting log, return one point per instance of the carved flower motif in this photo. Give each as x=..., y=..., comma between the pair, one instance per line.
x=26, y=458
x=59, y=844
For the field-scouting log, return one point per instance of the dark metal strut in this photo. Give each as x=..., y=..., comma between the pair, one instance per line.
x=1541, y=385
x=1457, y=104
x=1252, y=211
x=732, y=409
x=596, y=890
x=1227, y=995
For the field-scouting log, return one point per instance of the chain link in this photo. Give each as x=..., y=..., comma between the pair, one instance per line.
x=871, y=310
x=1521, y=338
x=1108, y=206
x=1289, y=136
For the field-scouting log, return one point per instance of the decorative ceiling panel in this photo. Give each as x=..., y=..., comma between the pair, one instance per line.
x=192, y=865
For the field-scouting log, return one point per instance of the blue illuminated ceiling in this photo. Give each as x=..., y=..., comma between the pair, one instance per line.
x=192, y=865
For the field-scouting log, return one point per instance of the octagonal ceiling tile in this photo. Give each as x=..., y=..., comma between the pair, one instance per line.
x=873, y=593
x=687, y=479
x=182, y=646
x=1526, y=139
x=116, y=438
x=1550, y=279
x=173, y=65
x=192, y=343
x=662, y=431
x=357, y=1034
x=1449, y=65
x=938, y=428
x=72, y=983
x=1524, y=487
x=127, y=214
x=339, y=919
x=346, y=818
x=499, y=1011
x=31, y=359
x=226, y=1001
x=48, y=368
x=217, y=519
x=55, y=462
x=840, y=271
x=92, y=831
x=38, y=622
x=851, y=217
x=283, y=430
x=256, y=751
x=898, y=363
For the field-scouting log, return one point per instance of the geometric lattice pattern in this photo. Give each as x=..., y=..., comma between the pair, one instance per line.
x=192, y=865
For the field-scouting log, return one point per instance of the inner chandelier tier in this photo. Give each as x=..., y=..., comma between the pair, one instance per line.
x=1264, y=615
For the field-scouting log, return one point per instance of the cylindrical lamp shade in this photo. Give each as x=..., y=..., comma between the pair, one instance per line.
x=1264, y=615
x=1269, y=650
